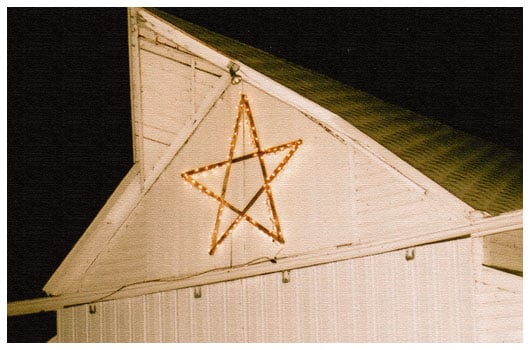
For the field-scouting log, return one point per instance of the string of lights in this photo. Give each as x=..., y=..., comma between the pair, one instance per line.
x=245, y=115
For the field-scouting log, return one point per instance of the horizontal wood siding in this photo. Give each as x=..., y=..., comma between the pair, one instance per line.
x=381, y=298
x=504, y=250
x=498, y=307
x=173, y=85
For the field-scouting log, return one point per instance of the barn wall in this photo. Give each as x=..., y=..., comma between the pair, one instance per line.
x=381, y=298
x=173, y=83
x=498, y=306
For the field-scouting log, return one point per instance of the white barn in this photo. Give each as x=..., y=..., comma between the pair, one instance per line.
x=268, y=203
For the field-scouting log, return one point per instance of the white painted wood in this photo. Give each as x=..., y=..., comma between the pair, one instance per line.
x=341, y=227
x=216, y=296
x=233, y=307
x=173, y=52
x=184, y=315
x=346, y=300
x=272, y=314
x=95, y=324
x=498, y=306
x=168, y=319
x=255, y=324
x=66, y=322
x=290, y=308
x=504, y=250
x=200, y=326
x=503, y=280
x=135, y=82
x=153, y=318
x=109, y=322
x=138, y=319
x=81, y=323
x=337, y=124
x=124, y=320
x=352, y=136
x=183, y=39
x=109, y=219
x=379, y=298
x=490, y=225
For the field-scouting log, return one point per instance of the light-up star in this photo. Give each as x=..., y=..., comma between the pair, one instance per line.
x=275, y=232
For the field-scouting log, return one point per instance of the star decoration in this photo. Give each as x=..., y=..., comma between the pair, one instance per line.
x=258, y=152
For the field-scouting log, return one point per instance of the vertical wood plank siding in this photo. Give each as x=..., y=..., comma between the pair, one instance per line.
x=381, y=298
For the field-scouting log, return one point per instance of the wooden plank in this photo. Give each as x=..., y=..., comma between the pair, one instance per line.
x=345, y=301
x=208, y=103
x=502, y=309
x=501, y=336
x=235, y=319
x=153, y=151
x=124, y=319
x=499, y=323
x=501, y=280
x=135, y=86
x=166, y=95
x=444, y=273
x=200, y=313
x=145, y=33
x=306, y=287
x=289, y=307
x=95, y=323
x=183, y=39
x=101, y=229
x=382, y=302
x=504, y=250
x=108, y=321
x=169, y=317
x=220, y=308
x=138, y=319
x=67, y=328
x=184, y=319
x=255, y=319
x=271, y=308
x=153, y=318
x=81, y=323
x=326, y=303
x=158, y=134
x=179, y=56
x=425, y=291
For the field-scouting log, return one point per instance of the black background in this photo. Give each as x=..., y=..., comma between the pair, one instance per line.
x=69, y=133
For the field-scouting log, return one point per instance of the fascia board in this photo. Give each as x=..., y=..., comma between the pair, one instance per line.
x=184, y=40
x=109, y=219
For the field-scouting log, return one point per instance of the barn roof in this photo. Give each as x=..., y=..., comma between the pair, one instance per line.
x=486, y=176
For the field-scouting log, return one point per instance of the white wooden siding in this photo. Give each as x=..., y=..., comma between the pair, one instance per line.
x=381, y=298
x=172, y=224
x=504, y=250
x=498, y=306
x=173, y=84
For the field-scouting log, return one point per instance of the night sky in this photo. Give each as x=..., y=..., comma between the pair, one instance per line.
x=69, y=133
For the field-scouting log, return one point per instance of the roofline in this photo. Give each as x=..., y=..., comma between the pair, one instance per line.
x=326, y=119
x=482, y=226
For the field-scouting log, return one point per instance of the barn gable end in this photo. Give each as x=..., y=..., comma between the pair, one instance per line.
x=340, y=189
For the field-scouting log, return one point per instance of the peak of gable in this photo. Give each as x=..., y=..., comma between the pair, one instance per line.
x=488, y=177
